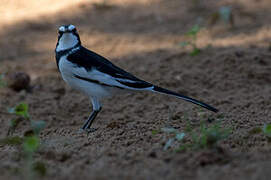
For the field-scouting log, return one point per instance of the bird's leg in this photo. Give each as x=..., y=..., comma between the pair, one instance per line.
x=96, y=109
x=89, y=121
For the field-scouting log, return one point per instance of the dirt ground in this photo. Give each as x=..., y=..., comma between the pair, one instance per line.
x=232, y=72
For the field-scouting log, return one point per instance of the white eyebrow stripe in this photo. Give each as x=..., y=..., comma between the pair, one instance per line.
x=61, y=28
x=71, y=27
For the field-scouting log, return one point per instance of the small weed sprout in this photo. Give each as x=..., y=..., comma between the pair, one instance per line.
x=207, y=137
x=31, y=144
x=21, y=111
x=193, y=34
x=267, y=131
x=154, y=132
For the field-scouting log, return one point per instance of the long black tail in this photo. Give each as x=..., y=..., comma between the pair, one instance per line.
x=165, y=91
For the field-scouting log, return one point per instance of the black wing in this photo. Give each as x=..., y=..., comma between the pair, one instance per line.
x=89, y=60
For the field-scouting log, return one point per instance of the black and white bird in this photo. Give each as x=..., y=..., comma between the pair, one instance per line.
x=96, y=76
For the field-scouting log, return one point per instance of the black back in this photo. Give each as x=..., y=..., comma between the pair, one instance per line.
x=91, y=60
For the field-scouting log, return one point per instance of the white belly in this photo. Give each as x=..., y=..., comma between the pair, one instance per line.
x=68, y=70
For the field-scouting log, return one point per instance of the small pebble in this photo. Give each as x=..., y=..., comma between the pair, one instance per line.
x=18, y=81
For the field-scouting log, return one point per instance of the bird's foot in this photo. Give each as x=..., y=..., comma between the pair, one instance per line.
x=90, y=130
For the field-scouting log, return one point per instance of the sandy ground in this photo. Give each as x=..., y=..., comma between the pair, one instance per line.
x=232, y=72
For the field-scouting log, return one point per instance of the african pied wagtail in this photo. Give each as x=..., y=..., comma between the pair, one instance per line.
x=97, y=77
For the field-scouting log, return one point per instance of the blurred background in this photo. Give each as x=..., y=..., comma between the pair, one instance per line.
x=116, y=28
x=217, y=51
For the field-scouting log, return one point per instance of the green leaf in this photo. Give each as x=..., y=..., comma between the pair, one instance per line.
x=154, y=132
x=267, y=130
x=31, y=144
x=20, y=110
x=215, y=134
x=195, y=52
x=193, y=31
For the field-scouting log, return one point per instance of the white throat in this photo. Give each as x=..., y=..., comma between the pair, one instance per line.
x=66, y=41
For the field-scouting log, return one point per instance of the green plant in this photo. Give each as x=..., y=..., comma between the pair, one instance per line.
x=267, y=131
x=193, y=34
x=21, y=111
x=31, y=144
x=207, y=137
x=154, y=132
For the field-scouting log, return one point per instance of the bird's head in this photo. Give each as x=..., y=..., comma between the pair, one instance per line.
x=67, y=37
